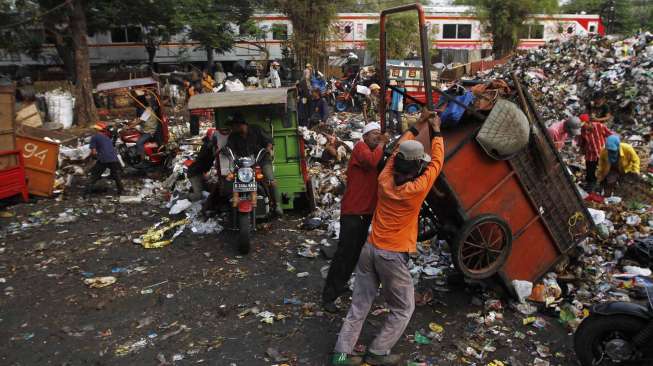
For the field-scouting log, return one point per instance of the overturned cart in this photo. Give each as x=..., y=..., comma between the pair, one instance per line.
x=515, y=213
x=504, y=200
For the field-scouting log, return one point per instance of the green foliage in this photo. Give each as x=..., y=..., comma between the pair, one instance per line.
x=504, y=19
x=402, y=37
x=311, y=20
x=157, y=19
x=209, y=21
x=374, y=6
x=629, y=15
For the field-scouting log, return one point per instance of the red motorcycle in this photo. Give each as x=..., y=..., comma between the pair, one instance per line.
x=158, y=152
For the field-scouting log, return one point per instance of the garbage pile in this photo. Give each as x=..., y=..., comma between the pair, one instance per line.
x=563, y=74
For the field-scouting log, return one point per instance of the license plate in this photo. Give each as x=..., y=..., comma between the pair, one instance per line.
x=244, y=187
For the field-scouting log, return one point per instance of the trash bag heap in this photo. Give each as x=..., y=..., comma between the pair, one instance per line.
x=563, y=74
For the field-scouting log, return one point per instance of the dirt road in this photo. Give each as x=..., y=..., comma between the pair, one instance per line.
x=180, y=304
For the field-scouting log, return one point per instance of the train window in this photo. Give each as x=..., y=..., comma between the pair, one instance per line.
x=372, y=31
x=465, y=31
x=449, y=31
x=537, y=31
x=279, y=32
x=118, y=35
x=126, y=34
x=531, y=31
x=134, y=34
x=453, y=31
x=348, y=29
x=592, y=28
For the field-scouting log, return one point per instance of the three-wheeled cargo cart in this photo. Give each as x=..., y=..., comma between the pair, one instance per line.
x=275, y=111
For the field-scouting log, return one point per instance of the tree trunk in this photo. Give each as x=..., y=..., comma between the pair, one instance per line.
x=150, y=47
x=64, y=51
x=209, y=58
x=502, y=46
x=85, y=112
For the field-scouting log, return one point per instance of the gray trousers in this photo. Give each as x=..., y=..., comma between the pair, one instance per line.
x=391, y=270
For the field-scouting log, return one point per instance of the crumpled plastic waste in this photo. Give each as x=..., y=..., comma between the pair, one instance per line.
x=99, y=282
x=180, y=206
x=155, y=236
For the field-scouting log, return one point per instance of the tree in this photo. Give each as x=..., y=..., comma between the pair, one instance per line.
x=618, y=16
x=503, y=19
x=33, y=23
x=85, y=112
x=211, y=23
x=402, y=37
x=311, y=21
x=66, y=25
x=157, y=20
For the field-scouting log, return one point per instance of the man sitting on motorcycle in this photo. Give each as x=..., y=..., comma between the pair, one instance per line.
x=149, y=122
x=246, y=140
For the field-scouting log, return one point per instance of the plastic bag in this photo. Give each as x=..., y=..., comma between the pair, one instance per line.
x=454, y=112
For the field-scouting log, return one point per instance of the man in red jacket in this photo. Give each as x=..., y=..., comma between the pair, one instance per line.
x=356, y=212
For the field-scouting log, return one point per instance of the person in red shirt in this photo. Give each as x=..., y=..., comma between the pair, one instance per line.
x=403, y=185
x=356, y=211
x=591, y=142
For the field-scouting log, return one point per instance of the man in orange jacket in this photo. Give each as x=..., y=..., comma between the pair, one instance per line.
x=403, y=185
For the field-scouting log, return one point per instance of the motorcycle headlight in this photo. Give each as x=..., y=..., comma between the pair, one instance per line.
x=245, y=175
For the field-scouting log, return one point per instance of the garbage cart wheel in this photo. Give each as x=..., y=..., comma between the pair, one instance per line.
x=482, y=246
x=243, y=232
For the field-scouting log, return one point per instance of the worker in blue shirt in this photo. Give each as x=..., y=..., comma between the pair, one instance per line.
x=396, y=107
x=102, y=149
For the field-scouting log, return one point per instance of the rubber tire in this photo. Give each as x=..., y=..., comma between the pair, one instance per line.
x=243, y=232
x=593, y=327
x=464, y=233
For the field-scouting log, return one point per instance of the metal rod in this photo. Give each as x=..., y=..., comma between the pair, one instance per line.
x=382, y=55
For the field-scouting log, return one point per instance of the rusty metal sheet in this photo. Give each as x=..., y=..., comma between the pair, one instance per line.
x=41, y=158
x=122, y=84
x=7, y=142
x=240, y=98
x=7, y=106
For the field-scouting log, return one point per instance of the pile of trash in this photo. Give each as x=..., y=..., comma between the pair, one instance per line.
x=563, y=74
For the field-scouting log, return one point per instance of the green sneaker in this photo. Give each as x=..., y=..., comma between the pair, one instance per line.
x=345, y=359
x=382, y=360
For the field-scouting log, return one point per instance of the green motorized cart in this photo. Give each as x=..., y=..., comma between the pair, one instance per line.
x=275, y=111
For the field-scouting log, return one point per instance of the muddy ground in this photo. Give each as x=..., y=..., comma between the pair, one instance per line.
x=182, y=302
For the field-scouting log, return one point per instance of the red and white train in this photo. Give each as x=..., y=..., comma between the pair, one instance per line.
x=450, y=28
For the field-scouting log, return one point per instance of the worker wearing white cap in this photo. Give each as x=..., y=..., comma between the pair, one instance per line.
x=372, y=103
x=356, y=211
x=275, y=80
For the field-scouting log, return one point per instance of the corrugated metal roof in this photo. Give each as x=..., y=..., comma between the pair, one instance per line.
x=239, y=98
x=125, y=84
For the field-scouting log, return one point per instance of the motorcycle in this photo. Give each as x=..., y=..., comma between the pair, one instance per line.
x=156, y=155
x=617, y=333
x=250, y=197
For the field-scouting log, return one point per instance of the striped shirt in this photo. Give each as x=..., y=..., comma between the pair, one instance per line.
x=592, y=139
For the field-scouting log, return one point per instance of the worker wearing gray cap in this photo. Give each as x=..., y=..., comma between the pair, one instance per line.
x=560, y=132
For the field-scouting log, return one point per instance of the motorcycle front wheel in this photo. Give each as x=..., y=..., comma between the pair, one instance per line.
x=603, y=340
x=243, y=232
